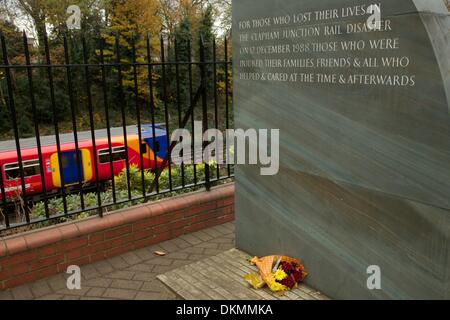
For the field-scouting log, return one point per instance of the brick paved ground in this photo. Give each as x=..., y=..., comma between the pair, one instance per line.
x=132, y=275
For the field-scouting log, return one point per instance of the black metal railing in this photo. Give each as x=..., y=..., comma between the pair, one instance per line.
x=77, y=95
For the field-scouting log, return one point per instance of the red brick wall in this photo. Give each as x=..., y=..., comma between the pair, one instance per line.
x=38, y=254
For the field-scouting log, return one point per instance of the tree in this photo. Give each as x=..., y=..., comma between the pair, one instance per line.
x=133, y=21
x=36, y=11
x=10, y=32
x=180, y=20
x=170, y=15
x=206, y=36
x=21, y=90
x=223, y=16
x=183, y=38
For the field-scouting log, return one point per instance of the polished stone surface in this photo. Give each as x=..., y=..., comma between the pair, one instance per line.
x=365, y=169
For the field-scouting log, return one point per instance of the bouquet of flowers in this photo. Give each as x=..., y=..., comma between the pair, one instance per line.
x=279, y=273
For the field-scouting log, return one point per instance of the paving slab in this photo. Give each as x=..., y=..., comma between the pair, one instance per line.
x=128, y=276
x=221, y=277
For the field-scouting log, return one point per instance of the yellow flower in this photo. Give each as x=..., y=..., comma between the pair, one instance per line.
x=280, y=274
x=276, y=286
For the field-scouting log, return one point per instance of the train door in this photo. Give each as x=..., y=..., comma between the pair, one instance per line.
x=72, y=172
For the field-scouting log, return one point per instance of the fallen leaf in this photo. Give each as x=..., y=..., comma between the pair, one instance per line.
x=160, y=253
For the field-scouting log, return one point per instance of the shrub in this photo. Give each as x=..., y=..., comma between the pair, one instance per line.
x=56, y=206
x=135, y=179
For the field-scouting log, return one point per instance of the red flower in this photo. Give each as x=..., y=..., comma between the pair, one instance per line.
x=288, y=282
x=287, y=267
x=298, y=276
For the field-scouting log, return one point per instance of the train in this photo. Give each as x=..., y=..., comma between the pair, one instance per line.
x=153, y=146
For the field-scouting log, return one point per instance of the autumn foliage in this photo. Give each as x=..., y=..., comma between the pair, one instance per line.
x=127, y=29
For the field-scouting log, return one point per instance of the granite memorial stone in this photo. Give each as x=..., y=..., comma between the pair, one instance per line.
x=363, y=108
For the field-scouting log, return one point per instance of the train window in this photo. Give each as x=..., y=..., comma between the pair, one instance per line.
x=65, y=162
x=143, y=148
x=118, y=154
x=156, y=147
x=30, y=168
x=103, y=156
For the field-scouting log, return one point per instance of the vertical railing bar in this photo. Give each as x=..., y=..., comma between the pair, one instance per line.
x=166, y=108
x=122, y=109
x=56, y=126
x=108, y=124
x=152, y=111
x=4, y=201
x=74, y=121
x=177, y=75
x=203, y=67
x=191, y=96
x=216, y=107
x=12, y=110
x=36, y=122
x=2, y=186
x=138, y=117
x=91, y=120
x=227, y=110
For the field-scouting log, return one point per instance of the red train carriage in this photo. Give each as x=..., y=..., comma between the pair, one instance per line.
x=151, y=147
